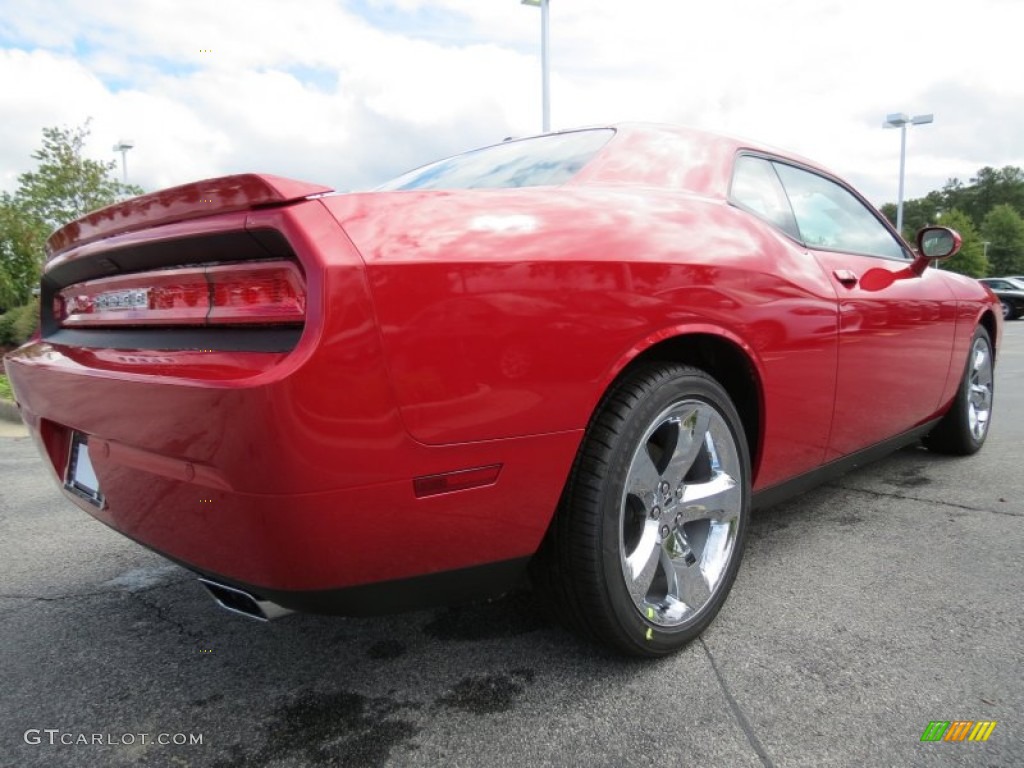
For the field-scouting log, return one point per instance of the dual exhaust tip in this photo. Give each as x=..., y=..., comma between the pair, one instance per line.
x=244, y=603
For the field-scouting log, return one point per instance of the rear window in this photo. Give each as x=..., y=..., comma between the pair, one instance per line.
x=540, y=161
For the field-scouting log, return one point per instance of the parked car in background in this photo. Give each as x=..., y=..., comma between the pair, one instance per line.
x=1010, y=292
x=587, y=353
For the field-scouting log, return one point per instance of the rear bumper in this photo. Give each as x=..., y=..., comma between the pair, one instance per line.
x=408, y=594
x=220, y=483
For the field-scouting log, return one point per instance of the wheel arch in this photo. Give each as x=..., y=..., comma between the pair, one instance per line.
x=988, y=321
x=570, y=568
x=724, y=357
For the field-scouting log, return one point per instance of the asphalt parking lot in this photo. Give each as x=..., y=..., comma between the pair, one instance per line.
x=864, y=610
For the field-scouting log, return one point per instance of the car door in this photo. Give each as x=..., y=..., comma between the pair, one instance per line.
x=895, y=343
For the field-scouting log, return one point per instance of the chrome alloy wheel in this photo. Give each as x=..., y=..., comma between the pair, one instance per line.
x=979, y=382
x=680, y=513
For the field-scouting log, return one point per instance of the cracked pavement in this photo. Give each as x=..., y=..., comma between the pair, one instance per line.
x=864, y=609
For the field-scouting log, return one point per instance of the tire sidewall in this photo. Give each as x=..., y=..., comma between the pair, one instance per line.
x=964, y=393
x=648, y=637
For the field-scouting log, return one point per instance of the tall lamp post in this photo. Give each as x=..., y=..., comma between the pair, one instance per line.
x=545, y=78
x=901, y=120
x=123, y=146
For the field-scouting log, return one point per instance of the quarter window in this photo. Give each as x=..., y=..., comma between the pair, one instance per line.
x=830, y=217
x=756, y=187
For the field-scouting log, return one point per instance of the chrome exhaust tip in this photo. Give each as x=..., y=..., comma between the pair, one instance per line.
x=241, y=602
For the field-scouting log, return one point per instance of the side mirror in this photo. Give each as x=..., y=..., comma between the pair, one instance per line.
x=938, y=242
x=933, y=244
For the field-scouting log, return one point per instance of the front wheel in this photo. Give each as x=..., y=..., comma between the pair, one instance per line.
x=649, y=535
x=964, y=428
x=1007, y=309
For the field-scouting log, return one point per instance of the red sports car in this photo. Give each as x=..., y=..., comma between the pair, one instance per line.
x=589, y=352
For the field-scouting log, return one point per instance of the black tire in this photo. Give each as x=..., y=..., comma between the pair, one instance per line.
x=681, y=417
x=965, y=426
x=1008, y=313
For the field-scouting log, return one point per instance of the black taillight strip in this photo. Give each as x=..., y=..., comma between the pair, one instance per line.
x=235, y=339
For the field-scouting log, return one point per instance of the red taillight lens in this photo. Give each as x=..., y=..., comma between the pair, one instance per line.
x=262, y=293
x=256, y=295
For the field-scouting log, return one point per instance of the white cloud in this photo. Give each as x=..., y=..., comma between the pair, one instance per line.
x=40, y=89
x=350, y=93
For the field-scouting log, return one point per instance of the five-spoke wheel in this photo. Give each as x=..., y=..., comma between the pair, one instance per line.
x=965, y=426
x=979, y=383
x=649, y=535
x=680, y=512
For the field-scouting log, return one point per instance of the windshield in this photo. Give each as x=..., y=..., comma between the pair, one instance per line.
x=540, y=161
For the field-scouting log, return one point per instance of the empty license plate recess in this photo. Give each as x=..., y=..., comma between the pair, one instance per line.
x=81, y=477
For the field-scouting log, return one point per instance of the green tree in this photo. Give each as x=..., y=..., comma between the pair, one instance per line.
x=21, y=242
x=917, y=213
x=989, y=187
x=64, y=186
x=955, y=194
x=971, y=259
x=1003, y=228
x=67, y=185
x=992, y=188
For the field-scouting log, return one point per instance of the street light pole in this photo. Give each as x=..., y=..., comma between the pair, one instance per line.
x=903, y=167
x=123, y=146
x=901, y=120
x=545, y=67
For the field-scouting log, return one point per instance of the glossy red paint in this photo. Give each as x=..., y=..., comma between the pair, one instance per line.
x=456, y=331
x=189, y=201
x=509, y=312
x=888, y=338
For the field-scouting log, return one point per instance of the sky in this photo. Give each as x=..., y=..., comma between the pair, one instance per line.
x=349, y=93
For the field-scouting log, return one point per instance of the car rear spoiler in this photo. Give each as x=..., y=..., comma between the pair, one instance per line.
x=189, y=201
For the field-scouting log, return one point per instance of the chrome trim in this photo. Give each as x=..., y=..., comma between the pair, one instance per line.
x=679, y=513
x=980, y=385
x=243, y=603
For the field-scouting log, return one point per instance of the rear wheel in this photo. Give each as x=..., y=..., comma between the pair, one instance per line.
x=1007, y=309
x=650, y=531
x=965, y=426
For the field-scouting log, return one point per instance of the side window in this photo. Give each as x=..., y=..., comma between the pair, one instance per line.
x=756, y=187
x=830, y=217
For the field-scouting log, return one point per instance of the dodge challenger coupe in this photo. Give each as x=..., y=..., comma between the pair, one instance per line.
x=585, y=356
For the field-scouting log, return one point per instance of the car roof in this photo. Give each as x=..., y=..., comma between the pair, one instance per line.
x=675, y=157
